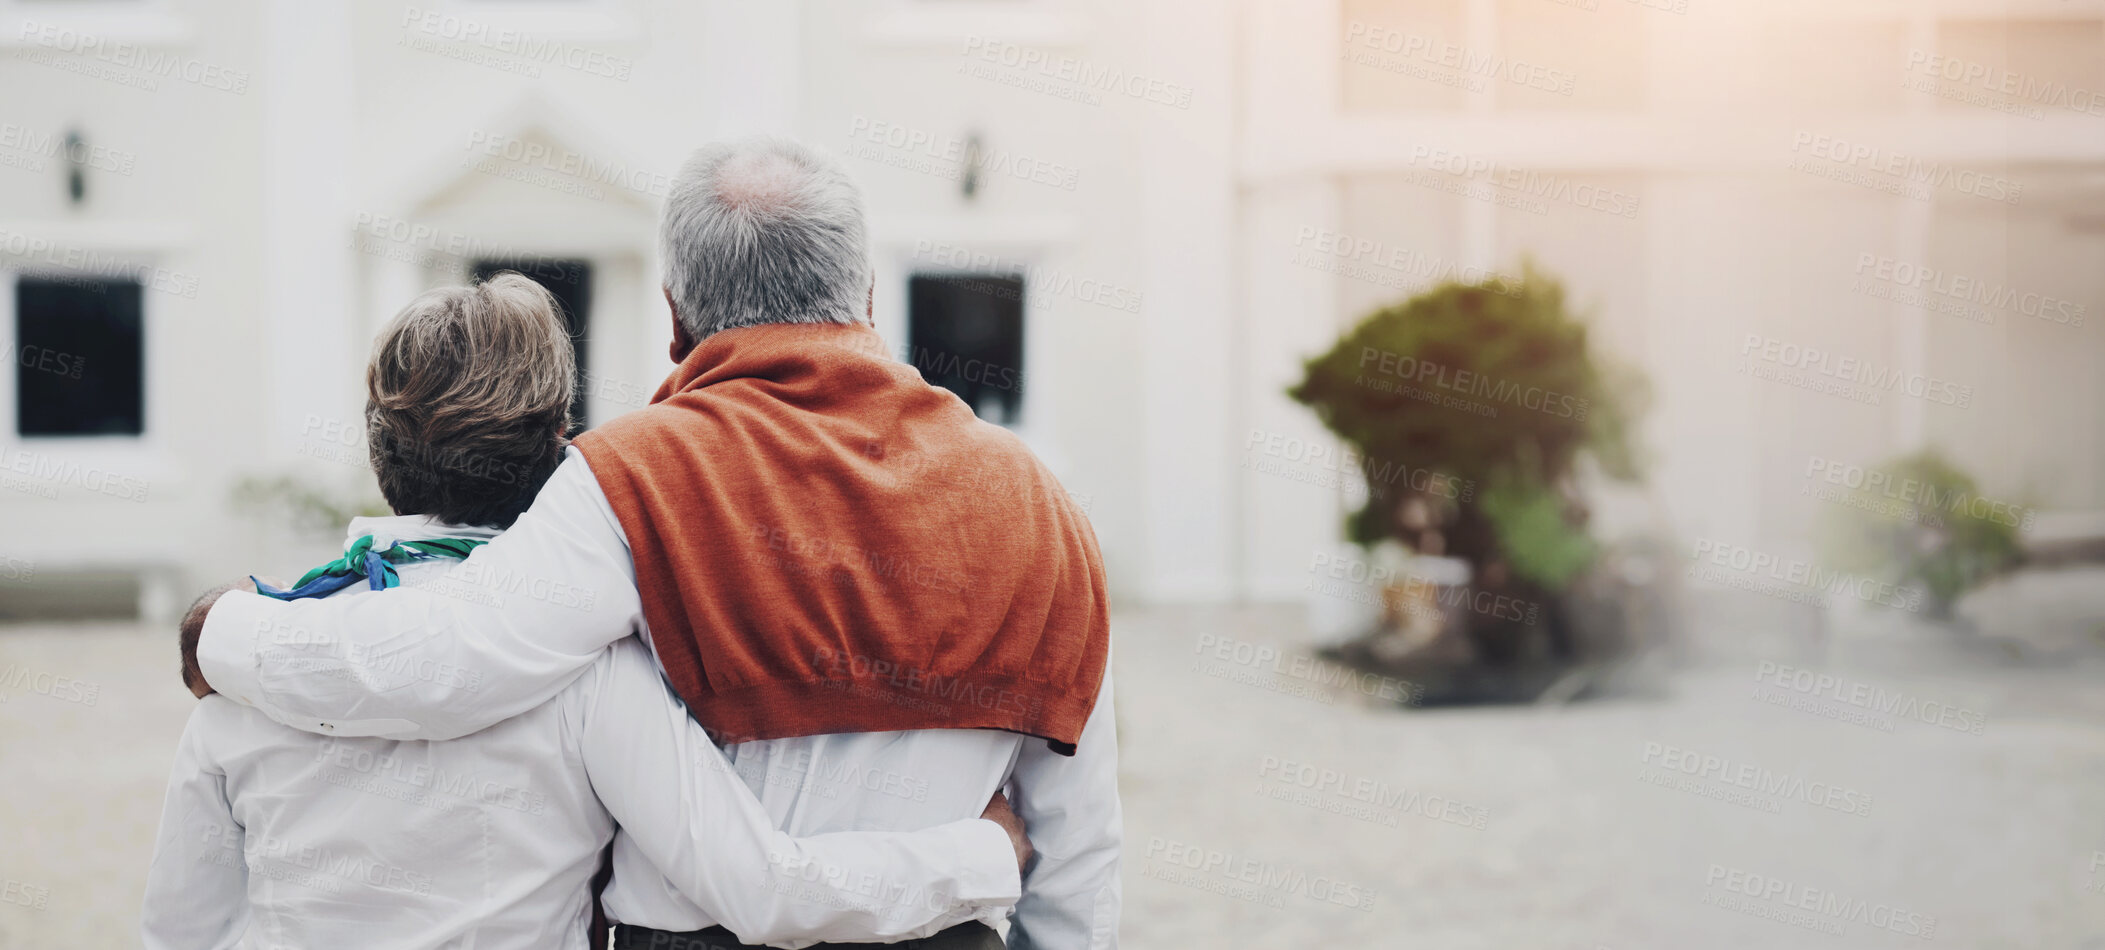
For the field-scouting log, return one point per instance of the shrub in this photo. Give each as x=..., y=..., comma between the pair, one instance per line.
x=1494, y=383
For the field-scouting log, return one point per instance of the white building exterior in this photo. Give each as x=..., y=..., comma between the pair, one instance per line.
x=1173, y=179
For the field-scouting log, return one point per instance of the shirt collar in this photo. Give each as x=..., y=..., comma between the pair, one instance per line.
x=389, y=529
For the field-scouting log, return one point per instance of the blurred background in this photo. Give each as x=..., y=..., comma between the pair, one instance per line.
x=1574, y=473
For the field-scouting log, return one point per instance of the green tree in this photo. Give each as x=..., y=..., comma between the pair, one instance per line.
x=1927, y=528
x=1493, y=384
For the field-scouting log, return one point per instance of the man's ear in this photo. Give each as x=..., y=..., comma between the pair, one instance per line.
x=682, y=343
x=869, y=303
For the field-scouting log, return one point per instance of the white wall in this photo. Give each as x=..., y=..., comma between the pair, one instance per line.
x=1200, y=209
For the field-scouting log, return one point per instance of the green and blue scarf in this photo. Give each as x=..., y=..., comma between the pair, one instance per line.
x=376, y=568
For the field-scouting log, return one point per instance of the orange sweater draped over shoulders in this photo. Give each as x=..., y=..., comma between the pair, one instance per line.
x=825, y=543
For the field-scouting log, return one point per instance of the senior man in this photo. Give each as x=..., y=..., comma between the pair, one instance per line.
x=885, y=608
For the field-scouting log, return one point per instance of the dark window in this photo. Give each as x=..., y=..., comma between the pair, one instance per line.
x=80, y=351
x=571, y=283
x=965, y=334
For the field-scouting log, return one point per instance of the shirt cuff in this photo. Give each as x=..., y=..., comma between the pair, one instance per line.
x=988, y=875
x=229, y=651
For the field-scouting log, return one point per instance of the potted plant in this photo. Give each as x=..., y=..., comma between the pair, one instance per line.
x=1492, y=388
x=1925, y=528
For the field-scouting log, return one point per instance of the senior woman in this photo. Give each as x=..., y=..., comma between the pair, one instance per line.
x=346, y=839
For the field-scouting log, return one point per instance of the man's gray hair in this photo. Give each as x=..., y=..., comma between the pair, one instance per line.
x=764, y=230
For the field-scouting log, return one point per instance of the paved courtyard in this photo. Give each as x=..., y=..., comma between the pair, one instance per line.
x=1272, y=803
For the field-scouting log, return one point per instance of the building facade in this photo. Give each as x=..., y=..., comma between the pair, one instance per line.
x=1116, y=228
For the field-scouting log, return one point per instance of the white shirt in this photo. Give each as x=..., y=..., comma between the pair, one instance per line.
x=490, y=840
x=531, y=609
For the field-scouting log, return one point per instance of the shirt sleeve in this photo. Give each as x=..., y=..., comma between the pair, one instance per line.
x=501, y=633
x=1069, y=806
x=694, y=817
x=197, y=886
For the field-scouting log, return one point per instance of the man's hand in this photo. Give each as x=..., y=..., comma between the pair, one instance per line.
x=999, y=812
x=193, y=628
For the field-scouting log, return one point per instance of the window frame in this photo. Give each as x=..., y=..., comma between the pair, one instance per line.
x=1027, y=255
x=15, y=329
x=145, y=454
x=1023, y=278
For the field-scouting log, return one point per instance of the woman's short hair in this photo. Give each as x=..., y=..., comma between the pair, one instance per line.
x=468, y=400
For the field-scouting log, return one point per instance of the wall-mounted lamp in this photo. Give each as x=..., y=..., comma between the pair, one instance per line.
x=76, y=167
x=968, y=183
